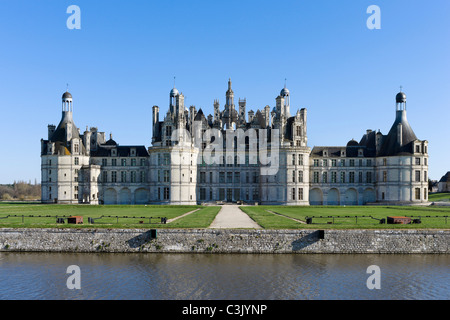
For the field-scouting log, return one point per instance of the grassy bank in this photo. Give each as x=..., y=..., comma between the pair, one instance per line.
x=358, y=217
x=120, y=216
x=437, y=197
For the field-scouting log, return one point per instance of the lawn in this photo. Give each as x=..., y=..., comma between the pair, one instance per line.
x=444, y=196
x=114, y=216
x=357, y=217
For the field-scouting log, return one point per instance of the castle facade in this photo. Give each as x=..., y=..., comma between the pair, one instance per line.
x=232, y=156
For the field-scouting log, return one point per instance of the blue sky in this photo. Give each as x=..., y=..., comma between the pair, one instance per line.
x=123, y=59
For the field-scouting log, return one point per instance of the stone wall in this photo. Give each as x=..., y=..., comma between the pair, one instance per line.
x=225, y=241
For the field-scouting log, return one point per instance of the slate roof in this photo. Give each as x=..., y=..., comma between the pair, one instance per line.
x=122, y=151
x=391, y=145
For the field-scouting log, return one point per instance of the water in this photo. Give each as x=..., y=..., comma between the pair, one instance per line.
x=42, y=276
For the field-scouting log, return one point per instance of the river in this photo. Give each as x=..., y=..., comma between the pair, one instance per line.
x=43, y=276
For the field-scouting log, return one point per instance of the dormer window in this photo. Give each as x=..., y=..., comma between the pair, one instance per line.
x=114, y=152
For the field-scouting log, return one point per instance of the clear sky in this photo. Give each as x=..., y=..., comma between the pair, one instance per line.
x=123, y=59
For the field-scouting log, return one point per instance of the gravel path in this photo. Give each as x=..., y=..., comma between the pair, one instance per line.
x=231, y=217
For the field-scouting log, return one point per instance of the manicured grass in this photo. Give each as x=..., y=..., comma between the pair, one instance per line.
x=199, y=219
x=443, y=196
x=347, y=217
x=135, y=214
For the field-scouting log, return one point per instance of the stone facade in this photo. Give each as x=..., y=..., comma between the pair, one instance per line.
x=225, y=241
x=263, y=158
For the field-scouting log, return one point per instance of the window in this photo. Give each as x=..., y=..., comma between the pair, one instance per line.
x=300, y=176
x=229, y=177
x=293, y=159
x=360, y=162
x=425, y=178
x=123, y=176
x=133, y=162
x=325, y=162
x=316, y=162
x=166, y=176
x=299, y=131
x=300, y=193
x=159, y=176
x=124, y=162
x=417, y=175
x=159, y=193
x=342, y=177
x=166, y=158
x=300, y=159
x=333, y=163
x=293, y=193
x=76, y=148
x=418, y=161
x=133, y=176
x=104, y=162
x=333, y=177
x=114, y=162
x=325, y=177
x=351, y=177
x=202, y=194
x=159, y=159
x=418, y=150
x=255, y=194
x=255, y=177
x=247, y=196
x=77, y=161
x=142, y=162
x=210, y=177
x=237, y=177
x=343, y=163
x=114, y=176
x=221, y=194
x=417, y=192
x=221, y=177
x=316, y=177
x=166, y=193
x=105, y=176
x=425, y=193
x=425, y=161
x=369, y=177
x=384, y=176
x=352, y=162
x=360, y=177
x=142, y=176
x=293, y=176
x=202, y=177
x=369, y=163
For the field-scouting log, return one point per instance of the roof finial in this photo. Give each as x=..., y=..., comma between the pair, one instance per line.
x=174, y=81
x=285, y=83
x=67, y=87
x=401, y=88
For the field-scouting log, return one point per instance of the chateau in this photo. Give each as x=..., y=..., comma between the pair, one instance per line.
x=232, y=156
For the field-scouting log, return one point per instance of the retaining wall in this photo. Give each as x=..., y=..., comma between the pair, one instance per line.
x=225, y=241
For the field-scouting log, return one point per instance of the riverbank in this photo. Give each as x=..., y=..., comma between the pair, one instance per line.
x=224, y=240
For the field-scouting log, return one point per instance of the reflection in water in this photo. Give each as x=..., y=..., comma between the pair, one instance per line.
x=223, y=277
